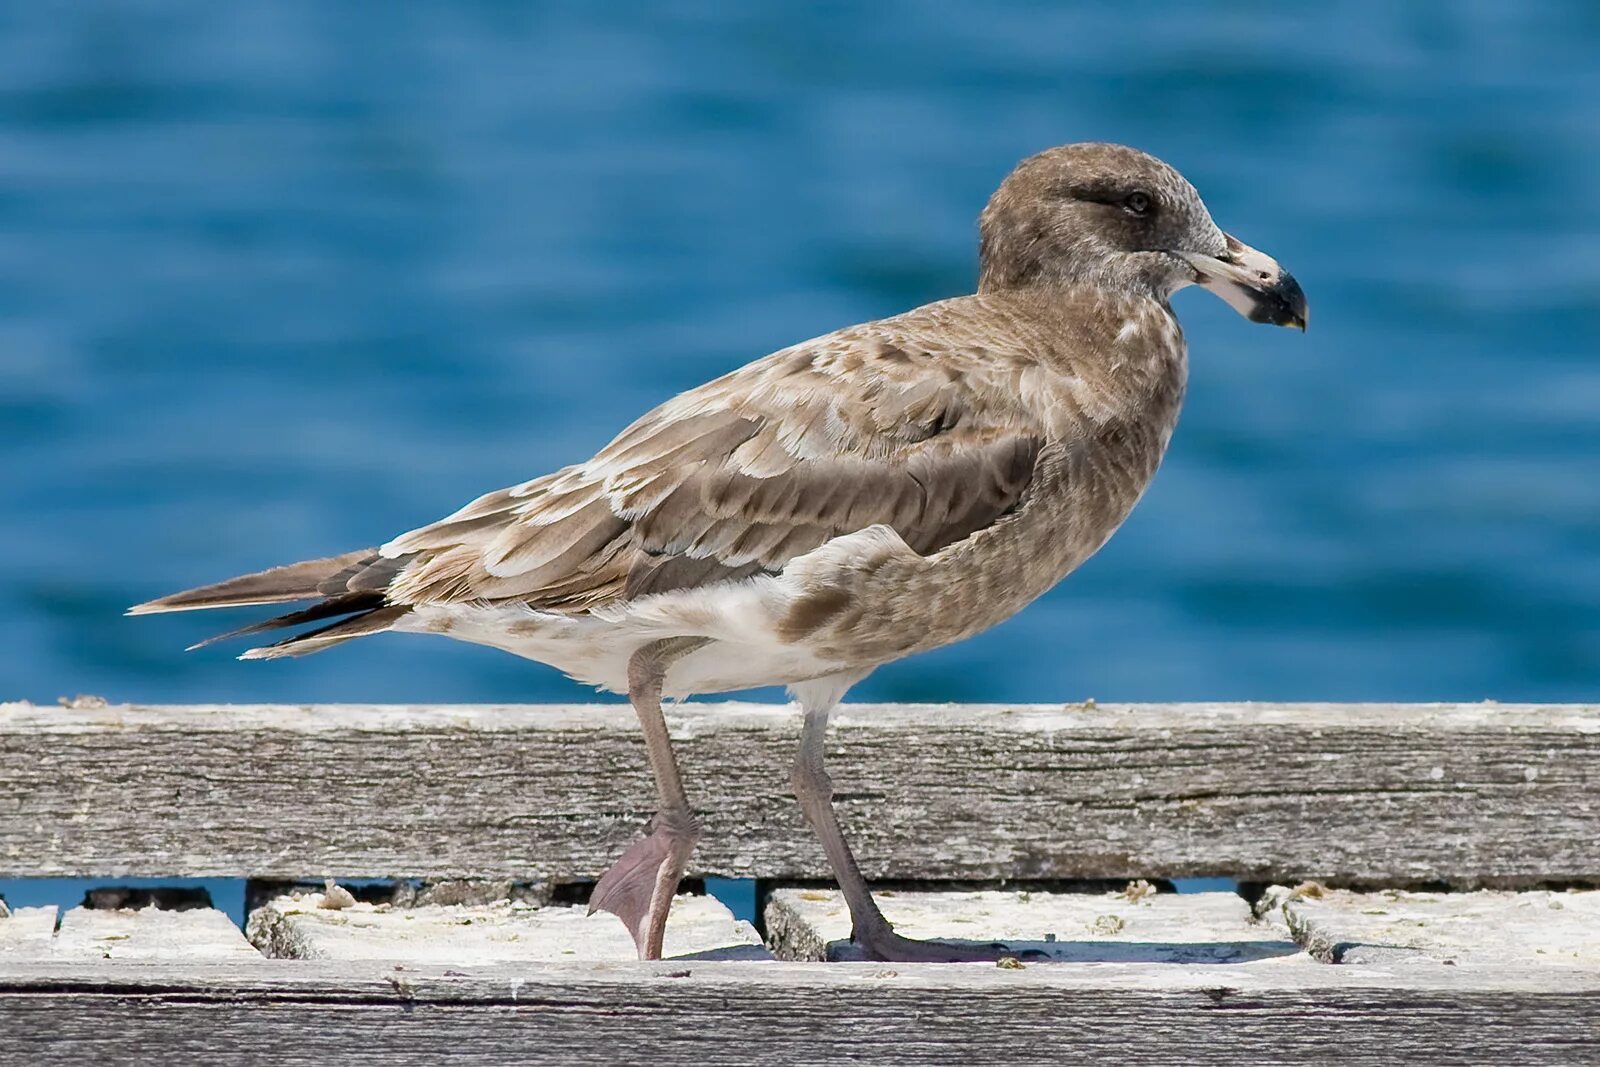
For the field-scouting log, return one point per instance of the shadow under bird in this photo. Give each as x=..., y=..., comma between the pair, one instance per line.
x=879, y=491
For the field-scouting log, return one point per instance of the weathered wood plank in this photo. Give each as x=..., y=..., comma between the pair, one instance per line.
x=310, y=1013
x=1135, y=926
x=1366, y=794
x=305, y=927
x=26, y=933
x=1526, y=929
x=150, y=934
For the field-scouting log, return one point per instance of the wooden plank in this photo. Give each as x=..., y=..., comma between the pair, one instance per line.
x=1137, y=925
x=1528, y=929
x=151, y=934
x=1363, y=794
x=470, y=891
x=26, y=933
x=779, y=1013
x=306, y=927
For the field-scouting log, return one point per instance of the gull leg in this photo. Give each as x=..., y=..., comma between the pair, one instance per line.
x=639, y=887
x=870, y=931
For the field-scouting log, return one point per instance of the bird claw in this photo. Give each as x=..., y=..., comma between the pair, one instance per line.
x=639, y=887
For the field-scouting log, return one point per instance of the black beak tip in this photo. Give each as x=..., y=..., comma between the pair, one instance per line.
x=1284, y=304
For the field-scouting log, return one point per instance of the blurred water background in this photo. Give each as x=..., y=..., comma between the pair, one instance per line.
x=281, y=280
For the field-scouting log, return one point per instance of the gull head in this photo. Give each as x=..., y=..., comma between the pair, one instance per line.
x=1112, y=216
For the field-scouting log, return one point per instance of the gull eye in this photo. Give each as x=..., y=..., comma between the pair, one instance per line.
x=1137, y=203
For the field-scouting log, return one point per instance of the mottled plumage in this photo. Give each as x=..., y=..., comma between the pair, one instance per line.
x=881, y=490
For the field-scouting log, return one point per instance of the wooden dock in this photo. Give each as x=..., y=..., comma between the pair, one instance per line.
x=1419, y=884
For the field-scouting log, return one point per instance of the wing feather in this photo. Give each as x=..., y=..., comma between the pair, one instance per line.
x=868, y=426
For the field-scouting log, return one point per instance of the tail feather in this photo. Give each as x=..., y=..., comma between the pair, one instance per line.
x=347, y=588
x=369, y=622
x=349, y=604
x=280, y=585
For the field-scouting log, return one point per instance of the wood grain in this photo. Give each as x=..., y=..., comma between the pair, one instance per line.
x=150, y=934
x=705, y=1014
x=26, y=933
x=1126, y=927
x=1394, y=927
x=1360, y=794
x=303, y=928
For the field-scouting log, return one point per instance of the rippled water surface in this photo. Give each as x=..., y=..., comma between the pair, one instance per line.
x=280, y=280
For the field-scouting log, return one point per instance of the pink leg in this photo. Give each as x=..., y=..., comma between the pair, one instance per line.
x=871, y=932
x=639, y=887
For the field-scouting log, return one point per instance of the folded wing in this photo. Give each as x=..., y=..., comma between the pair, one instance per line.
x=740, y=476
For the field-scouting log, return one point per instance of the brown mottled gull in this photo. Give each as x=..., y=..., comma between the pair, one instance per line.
x=882, y=490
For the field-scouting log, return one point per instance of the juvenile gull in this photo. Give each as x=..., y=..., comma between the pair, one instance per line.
x=882, y=490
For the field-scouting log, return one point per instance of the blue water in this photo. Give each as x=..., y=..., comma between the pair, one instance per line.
x=280, y=280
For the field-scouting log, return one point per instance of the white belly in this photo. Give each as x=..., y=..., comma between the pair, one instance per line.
x=743, y=652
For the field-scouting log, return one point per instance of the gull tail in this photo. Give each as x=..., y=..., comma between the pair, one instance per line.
x=280, y=585
x=347, y=588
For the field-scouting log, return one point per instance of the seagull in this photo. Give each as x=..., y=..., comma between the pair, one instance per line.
x=875, y=492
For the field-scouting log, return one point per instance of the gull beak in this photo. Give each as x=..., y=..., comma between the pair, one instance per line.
x=1252, y=283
